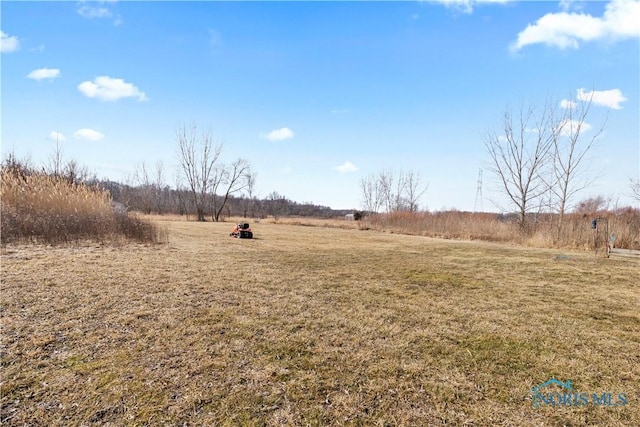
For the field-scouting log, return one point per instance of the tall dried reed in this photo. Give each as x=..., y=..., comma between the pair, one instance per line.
x=542, y=231
x=50, y=209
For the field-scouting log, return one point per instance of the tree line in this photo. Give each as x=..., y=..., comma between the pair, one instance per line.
x=154, y=199
x=206, y=188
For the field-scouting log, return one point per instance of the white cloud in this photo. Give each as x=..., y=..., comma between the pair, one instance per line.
x=279, y=134
x=570, y=127
x=91, y=12
x=339, y=111
x=466, y=6
x=346, y=167
x=621, y=20
x=57, y=136
x=606, y=98
x=88, y=135
x=44, y=73
x=98, y=9
x=109, y=89
x=567, y=103
x=8, y=43
x=567, y=5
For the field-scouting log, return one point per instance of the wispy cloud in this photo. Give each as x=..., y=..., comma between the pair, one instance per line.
x=278, y=134
x=88, y=135
x=91, y=12
x=564, y=30
x=107, y=88
x=567, y=5
x=466, y=6
x=8, y=43
x=57, y=136
x=570, y=127
x=611, y=98
x=346, y=167
x=339, y=111
x=44, y=73
x=98, y=9
x=567, y=103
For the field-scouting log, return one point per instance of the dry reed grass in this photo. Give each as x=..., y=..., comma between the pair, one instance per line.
x=576, y=234
x=52, y=210
x=313, y=326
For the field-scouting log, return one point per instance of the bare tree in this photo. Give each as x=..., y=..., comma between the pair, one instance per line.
x=392, y=191
x=398, y=197
x=71, y=170
x=144, y=188
x=160, y=191
x=371, y=195
x=518, y=154
x=75, y=173
x=385, y=184
x=55, y=164
x=248, y=202
x=277, y=204
x=17, y=167
x=593, y=205
x=234, y=179
x=414, y=190
x=635, y=189
x=183, y=200
x=197, y=162
x=572, y=141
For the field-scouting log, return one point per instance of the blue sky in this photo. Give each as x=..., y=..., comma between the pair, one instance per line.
x=317, y=95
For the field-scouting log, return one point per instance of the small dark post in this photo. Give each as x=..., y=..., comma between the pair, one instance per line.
x=597, y=238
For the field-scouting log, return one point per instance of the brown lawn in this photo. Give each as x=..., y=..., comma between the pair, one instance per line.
x=315, y=326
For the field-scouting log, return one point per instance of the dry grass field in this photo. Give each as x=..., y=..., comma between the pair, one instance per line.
x=314, y=326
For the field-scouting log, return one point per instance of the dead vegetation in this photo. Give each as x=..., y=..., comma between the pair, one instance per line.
x=51, y=209
x=541, y=231
x=313, y=326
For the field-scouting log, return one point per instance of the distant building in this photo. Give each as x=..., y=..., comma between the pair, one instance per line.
x=118, y=208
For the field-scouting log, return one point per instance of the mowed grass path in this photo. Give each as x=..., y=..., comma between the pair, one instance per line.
x=313, y=326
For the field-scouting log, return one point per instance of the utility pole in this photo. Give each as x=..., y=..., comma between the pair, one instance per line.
x=478, y=194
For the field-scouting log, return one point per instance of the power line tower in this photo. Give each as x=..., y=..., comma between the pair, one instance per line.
x=478, y=194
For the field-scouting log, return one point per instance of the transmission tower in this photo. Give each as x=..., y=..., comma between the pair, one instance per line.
x=478, y=202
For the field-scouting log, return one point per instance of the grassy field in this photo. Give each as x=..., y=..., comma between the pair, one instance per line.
x=314, y=326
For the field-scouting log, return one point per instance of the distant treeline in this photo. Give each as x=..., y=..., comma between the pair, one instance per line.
x=159, y=198
x=152, y=199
